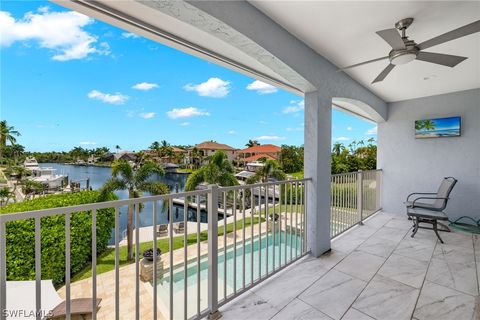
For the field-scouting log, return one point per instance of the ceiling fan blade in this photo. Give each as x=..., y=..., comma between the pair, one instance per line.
x=451, y=35
x=438, y=58
x=392, y=37
x=384, y=73
x=362, y=63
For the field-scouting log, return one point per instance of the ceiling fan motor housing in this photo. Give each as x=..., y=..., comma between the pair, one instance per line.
x=402, y=56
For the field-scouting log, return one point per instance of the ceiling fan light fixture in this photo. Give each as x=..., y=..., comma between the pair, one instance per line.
x=399, y=58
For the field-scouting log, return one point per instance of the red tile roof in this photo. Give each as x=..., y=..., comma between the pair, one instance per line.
x=212, y=145
x=258, y=156
x=179, y=150
x=263, y=148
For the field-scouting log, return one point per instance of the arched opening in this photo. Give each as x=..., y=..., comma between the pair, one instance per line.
x=358, y=108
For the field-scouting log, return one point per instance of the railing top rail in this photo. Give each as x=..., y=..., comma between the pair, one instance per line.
x=355, y=172
x=263, y=184
x=6, y=217
x=119, y=203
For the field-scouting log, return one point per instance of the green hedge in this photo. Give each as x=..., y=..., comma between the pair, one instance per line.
x=21, y=236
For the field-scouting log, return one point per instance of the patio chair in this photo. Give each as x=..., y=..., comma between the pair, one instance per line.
x=162, y=230
x=179, y=227
x=82, y=307
x=430, y=211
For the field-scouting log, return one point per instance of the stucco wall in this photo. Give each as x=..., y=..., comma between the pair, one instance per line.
x=411, y=164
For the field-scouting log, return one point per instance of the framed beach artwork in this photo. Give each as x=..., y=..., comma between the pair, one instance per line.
x=438, y=128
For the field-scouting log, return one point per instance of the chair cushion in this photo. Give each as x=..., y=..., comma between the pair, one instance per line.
x=428, y=214
x=421, y=205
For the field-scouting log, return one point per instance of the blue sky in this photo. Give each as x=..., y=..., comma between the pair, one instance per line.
x=90, y=84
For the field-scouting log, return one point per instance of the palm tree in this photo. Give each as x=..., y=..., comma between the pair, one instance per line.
x=270, y=169
x=196, y=157
x=117, y=147
x=7, y=133
x=218, y=170
x=136, y=181
x=155, y=146
x=252, y=143
x=338, y=148
x=5, y=195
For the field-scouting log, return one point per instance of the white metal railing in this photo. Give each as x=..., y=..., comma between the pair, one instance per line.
x=263, y=230
x=354, y=197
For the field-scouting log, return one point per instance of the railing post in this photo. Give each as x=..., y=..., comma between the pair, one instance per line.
x=213, y=252
x=360, y=196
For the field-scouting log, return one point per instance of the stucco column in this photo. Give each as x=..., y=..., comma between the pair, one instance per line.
x=317, y=158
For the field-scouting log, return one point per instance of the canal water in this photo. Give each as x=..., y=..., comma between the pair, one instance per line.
x=98, y=176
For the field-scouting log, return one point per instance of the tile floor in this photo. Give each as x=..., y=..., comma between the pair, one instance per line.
x=375, y=271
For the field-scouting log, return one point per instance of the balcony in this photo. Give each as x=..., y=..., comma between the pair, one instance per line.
x=374, y=271
x=266, y=227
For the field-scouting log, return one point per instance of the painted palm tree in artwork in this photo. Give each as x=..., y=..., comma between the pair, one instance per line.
x=270, y=169
x=136, y=181
x=426, y=125
x=218, y=170
x=7, y=133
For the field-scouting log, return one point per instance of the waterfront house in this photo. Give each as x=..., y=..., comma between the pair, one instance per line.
x=208, y=148
x=258, y=152
x=125, y=156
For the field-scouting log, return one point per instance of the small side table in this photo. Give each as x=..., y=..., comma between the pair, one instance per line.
x=420, y=215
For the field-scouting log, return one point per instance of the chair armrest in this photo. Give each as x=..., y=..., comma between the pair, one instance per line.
x=422, y=193
x=427, y=198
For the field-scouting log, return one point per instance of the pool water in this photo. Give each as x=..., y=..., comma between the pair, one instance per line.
x=284, y=242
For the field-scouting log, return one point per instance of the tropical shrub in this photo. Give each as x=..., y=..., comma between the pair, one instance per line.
x=21, y=236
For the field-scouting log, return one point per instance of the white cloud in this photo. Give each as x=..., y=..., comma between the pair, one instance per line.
x=372, y=131
x=87, y=143
x=263, y=122
x=294, y=107
x=232, y=132
x=186, y=113
x=184, y=124
x=116, y=98
x=129, y=35
x=145, y=86
x=62, y=32
x=261, y=87
x=349, y=128
x=213, y=87
x=147, y=115
x=271, y=138
x=342, y=139
x=295, y=129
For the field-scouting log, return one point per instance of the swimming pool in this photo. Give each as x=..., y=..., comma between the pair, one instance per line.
x=283, y=244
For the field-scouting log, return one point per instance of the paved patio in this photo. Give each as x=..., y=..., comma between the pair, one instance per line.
x=375, y=271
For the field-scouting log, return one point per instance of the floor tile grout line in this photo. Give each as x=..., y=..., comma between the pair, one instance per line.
x=476, y=264
x=359, y=312
x=424, y=279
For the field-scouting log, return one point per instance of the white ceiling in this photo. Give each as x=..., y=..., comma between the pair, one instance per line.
x=344, y=33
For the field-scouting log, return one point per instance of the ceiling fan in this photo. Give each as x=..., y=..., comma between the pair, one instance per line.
x=405, y=50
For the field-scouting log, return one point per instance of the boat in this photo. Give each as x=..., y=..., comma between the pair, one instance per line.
x=30, y=163
x=48, y=178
